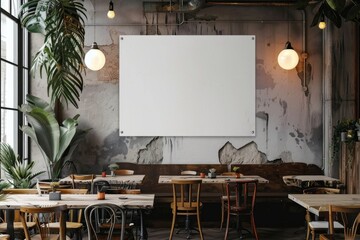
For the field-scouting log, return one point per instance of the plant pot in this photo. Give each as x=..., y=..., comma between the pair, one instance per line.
x=238, y=175
x=202, y=175
x=343, y=136
x=212, y=175
x=55, y=195
x=101, y=195
x=103, y=174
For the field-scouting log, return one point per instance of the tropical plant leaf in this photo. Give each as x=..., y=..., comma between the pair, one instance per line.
x=336, y=5
x=332, y=15
x=56, y=141
x=61, y=56
x=19, y=173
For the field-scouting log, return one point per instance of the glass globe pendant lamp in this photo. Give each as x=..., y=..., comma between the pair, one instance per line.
x=288, y=58
x=95, y=58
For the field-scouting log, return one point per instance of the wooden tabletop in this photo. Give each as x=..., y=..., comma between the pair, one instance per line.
x=166, y=179
x=15, y=201
x=113, y=180
x=317, y=203
x=305, y=181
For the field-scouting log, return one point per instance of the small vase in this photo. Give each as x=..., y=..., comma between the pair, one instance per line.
x=103, y=174
x=112, y=173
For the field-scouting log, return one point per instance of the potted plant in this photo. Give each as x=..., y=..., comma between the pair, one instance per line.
x=343, y=131
x=212, y=173
x=113, y=167
x=56, y=141
x=19, y=173
x=61, y=22
x=236, y=169
x=203, y=172
x=53, y=194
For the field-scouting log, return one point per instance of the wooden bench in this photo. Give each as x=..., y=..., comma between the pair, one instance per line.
x=272, y=197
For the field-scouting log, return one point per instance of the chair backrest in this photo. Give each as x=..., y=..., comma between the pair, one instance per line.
x=20, y=191
x=111, y=211
x=98, y=185
x=83, y=181
x=189, y=172
x=42, y=216
x=75, y=215
x=321, y=190
x=228, y=174
x=72, y=190
x=124, y=172
x=349, y=216
x=123, y=191
x=186, y=194
x=244, y=191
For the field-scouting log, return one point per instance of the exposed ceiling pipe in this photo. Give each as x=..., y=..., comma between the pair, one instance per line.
x=175, y=7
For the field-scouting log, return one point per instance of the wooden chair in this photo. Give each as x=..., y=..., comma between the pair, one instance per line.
x=18, y=227
x=82, y=181
x=314, y=226
x=243, y=204
x=123, y=172
x=188, y=172
x=224, y=197
x=74, y=222
x=186, y=201
x=98, y=185
x=349, y=217
x=43, y=216
x=111, y=212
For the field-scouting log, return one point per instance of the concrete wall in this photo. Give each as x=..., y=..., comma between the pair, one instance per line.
x=288, y=103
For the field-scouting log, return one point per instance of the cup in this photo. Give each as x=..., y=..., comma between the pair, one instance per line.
x=101, y=195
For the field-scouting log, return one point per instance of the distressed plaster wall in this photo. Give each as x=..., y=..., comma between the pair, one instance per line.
x=289, y=117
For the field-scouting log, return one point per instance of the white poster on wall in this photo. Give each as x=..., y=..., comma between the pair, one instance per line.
x=187, y=85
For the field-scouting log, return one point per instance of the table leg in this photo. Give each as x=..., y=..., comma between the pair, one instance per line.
x=10, y=222
x=143, y=232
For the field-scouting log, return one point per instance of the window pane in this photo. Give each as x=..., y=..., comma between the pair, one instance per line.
x=9, y=127
x=15, y=6
x=9, y=85
x=5, y=4
x=25, y=48
x=9, y=42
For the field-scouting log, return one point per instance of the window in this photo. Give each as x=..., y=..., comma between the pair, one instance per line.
x=14, y=75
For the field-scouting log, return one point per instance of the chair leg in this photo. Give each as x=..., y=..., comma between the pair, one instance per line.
x=199, y=224
x=254, y=227
x=227, y=225
x=307, y=232
x=313, y=234
x=222, y=213
x=172, y=225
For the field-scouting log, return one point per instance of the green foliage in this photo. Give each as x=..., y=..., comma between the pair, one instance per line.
x=61, y=56
x=113, y=166
x=336, y=11
x=236, y=169
x=57, y=142
x=19, y=173
x=343, y=126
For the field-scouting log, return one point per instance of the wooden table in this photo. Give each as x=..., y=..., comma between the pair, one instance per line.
x=166, y=179
x=306, y=181
x=76, y=201
x=318, y=203
x=113, y=180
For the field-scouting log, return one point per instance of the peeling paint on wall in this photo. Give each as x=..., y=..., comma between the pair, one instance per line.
x=153, y=153
x=247, y=154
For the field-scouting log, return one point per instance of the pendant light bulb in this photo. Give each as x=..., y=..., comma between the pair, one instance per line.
x=288, y=58
x=111, y=13
x=95, y=58
x=322, y=23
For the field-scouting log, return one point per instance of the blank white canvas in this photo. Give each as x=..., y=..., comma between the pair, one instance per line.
x=187, y=85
